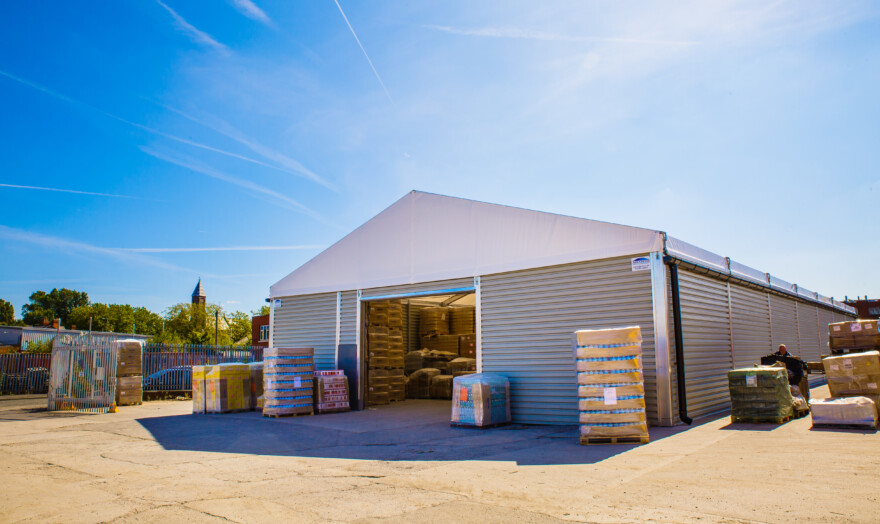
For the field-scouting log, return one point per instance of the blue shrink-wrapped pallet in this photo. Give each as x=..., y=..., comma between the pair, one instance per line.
x=480, y=400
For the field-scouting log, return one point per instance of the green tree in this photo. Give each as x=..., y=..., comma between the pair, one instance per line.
x=120, y=318
x=57, y=303
x=264, y=310
x=239, y=325
x=7, y=313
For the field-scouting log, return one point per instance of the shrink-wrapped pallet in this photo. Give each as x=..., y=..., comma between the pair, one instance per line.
x=441, y=387
x=851, y=411
x=480, y=400
x=611, y=385
x=256, y=373
x=463, y=320
x=854, y=374
x=199, y=393
x=129, y=358
x=287, y=381
x=228, y=388
x=760, y=394
x=331, y=392
x=129, y=390
x=434, y=321
x=419, y=384
x=461, y=364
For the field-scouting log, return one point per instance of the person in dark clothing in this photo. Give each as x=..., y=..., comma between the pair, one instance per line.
x=782, y=351
x=794, y=365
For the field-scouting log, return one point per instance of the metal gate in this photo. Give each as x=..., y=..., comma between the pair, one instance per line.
x=83, y=374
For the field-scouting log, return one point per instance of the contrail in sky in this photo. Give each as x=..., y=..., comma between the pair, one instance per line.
x=252, y=11
x=302, y=172
x=197, y=35
x=358, y=40
x=69, y=191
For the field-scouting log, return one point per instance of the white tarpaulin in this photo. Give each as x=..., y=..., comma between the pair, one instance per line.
x=425, y=237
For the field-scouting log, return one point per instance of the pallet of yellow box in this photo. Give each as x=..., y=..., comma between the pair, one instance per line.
x=611, y=391
x=228, y=388
x=199, y=393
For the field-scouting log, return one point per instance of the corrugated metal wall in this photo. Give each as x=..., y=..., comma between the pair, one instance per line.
x=750, y=317
x=783, y=318
x=308, y=321
x=808, y=331
x=528, y=318
x=705, y=323
x=348, y=318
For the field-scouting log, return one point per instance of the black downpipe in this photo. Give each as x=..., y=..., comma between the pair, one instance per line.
x=679, y=342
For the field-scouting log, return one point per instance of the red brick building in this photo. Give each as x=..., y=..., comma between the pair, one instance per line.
x=867, y=308
x=260, y=331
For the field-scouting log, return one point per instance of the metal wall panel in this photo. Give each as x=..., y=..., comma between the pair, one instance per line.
x=348, y=318
x=750, y=319
x=783, y=316
x=705, y=323
x=808, y=332
x=308, y=321
x=825, y=318
x=528, y=318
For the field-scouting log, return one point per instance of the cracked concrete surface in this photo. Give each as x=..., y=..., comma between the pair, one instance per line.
x=157, y=462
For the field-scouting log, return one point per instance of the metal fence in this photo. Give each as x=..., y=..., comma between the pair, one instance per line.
x=168, y=367
x=82, y=375
x=22, y=373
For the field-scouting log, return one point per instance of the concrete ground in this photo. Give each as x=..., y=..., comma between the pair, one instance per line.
x=405, y=464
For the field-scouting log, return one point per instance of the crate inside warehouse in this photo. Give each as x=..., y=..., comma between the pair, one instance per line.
x=854, y=336
x=288, y=375
x=331, y=392
x=760, y=395
x=129, y=372
x=480, y=400
x=611, y=385
x=386, y=381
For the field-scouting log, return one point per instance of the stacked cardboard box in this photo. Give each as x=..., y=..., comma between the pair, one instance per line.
x=447, y=343
x=467, y=346
x=129, y=372
x=856, y=335
x=611, y=392
x=462, y=366
x=228, y=388
x=480, y=400
x=199, y=391
x=287, y=381
x=463, y=319
x=385, y=352
x=331, y=391
x=434, y=321
x=854, y=375
x=760, y=394
x=256, y=372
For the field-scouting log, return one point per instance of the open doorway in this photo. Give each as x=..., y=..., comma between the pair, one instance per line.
x=414, y=347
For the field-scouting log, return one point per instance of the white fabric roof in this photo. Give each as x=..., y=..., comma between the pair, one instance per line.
x=425, y=237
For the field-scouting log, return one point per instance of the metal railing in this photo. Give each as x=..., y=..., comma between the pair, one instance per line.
x=168, y=367
x=23, y=373
x=82, y=376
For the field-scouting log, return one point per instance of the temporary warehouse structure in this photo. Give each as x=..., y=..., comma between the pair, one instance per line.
x=534, y=278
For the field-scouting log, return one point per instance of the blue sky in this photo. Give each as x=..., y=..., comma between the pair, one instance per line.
x=167, y=133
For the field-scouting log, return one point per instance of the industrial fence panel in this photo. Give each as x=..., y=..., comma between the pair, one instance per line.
x=168, y=367
x=24, y=373
x=82, y=376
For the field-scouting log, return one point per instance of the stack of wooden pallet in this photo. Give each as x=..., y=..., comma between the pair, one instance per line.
x=385, y=352
x=288, y=374
x=611, y=385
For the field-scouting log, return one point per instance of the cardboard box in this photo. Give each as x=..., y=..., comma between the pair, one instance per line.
x=434, y=321
x=228, y=388
x=129, y=358
x=129, y=390
x=331, y=392
x=199, y=393
x=467, y=346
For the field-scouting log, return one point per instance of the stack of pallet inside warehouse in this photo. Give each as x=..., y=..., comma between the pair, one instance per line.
x=441, y=330
x=760, y=394
x=228, y=388
x=331, y=391
x=288, y=374
x=611, y=392
x=129, y=372
x=385, y=352
x=853, y=376
x=396, y=351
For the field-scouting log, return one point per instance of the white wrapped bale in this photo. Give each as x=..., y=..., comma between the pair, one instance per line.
x=850, y=411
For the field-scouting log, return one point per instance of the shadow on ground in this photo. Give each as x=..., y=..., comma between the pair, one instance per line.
x=411, y=430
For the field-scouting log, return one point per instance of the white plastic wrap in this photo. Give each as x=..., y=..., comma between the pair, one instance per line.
x=851, y=411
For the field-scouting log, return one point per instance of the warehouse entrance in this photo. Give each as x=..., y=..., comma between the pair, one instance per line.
x=413, y=347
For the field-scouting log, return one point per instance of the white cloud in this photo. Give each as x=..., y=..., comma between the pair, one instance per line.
x=59, y=190
x=252, y=11
x=197, y=35
x=528, y=34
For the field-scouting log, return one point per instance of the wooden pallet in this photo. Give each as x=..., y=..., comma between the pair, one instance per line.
x=472, y=426
x=589, y=441
x=862, y=427
x=760, y=420
x=283, y=415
